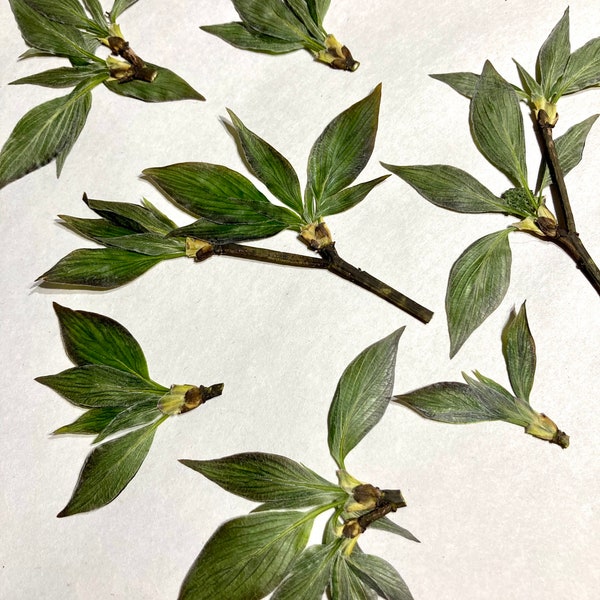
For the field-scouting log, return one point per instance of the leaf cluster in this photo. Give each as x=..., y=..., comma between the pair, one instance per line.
x=111, y=381
x=73, y=30
x=251, y=556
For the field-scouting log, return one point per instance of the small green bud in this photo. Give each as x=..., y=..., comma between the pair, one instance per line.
x=545, y=428
x=520, y=199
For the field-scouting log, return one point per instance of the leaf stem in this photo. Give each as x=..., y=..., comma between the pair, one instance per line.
x=566, y=236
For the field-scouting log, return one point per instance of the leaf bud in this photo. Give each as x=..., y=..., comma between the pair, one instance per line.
x=337, y=56
x=366, y=497
x=545, y=428
x=316, y=235
x=183, y=398
x=199, y=250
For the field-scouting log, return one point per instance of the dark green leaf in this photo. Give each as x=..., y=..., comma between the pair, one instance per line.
x=136, y=415
x=554, y=55
x=93, y=229
x=518, y=348
x=151, y=244
x=271, y=17
x=166, y=87
x=463, y=83
x=93, y=339
x=309, y=575
x=247, y=557
x=268, y=165
x=229, y=233
x=69, y=12
x=477, y=284
x=362, y=396
x=48, y=36
x=119, y=7
x=318, y=10
x=108, y=469
x=275, y=480
x=450, y=188
x=346, y=584
x=103, y=268
x=238, y=35
x=92, y=421
x=379, y=575
x=159, y=214
x=63, y=77
x=97, y=12
x=43, y=133
x=582, y=70
x=347, y=198
x=569, y=148
x=301, y=10
x=342, y=151
x=92, y=386
x=385, y=524
x=497, y=125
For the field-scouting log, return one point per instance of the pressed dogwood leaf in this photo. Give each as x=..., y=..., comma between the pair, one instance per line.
x=477, y=284
x=583, y=69
x=225, y=233
x=274, y=480
x=529, y=83
x=518, y=347
x=318, y=9
x=362, y=396
x=247, y=557
x=464, y=83
x=347, y=198
x=450, y=188
x=554, y=55
x=92, y=421
x=96, y=11
x=240, y=36
x=497, y=125
x=301, y=10
x=136, y=415
x=345, y=583
x=93, y=229
x=63, y=77
x=69, y=12
x=108, y=469
x=119, y=7
x=151, y=244
x=380, y=576
x=385, y=524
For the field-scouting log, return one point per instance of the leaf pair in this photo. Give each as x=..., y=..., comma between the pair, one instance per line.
x=265, y=551
x=281, y=26
x=482, y=399
x=111, y=381
x=73, y=30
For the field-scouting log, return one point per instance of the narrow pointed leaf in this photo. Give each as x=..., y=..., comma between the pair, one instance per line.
x=583, y=69
x=569, y=148
x=96, y=11
x=62, y=77
x=347, y=198
x=268, y=165
x=240, y=36
x=93, y=229
x=159, y=214
x=93, y=339
x=530, y=85
x=269, y=478
x=103, y=268
x=477, y=284
x=301, y=10
x=464, y=82
x=108, y=469
x=119, y=7
x=151, y=244
x=497, y=125
x=318, y=10
x=69, y=12
x=380, y=576
x=92, y=386
x=345, y=583
x=450, y=188
x=385, y=524
x=166, y=87
x=136, y=415
x=247, y=557
x=309, y=575
x=518, y=348
x=342, y=151
x=92, y=421
x=554, y=55
x=362, y=396
x=225, y=233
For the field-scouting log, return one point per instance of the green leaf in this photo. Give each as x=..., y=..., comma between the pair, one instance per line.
x=136, y=415
x=119, y=7
x=554, y=55
x=169, y=224
x=271, y=17
x=379, y=575
x=347, y=198
x=102, y=268
x=216, y=193
x=269, y=478
x=247, y=557
x=385, y=524
x=238, y=35
x=69, y=12
x=92, y=421
x=569, y=148
x=48, y=36
x=464, y=83
x=450, y=188
x=342, y=151
x=93, y=229
x=345, y=583
x=226, y=233
x=582, y=70
x=43, y=133
x=63, y=77
x=318, y=10
x=93, y=339
x=530, y=85
x=301, y=10
x=477, y=284
x=518, y=348
x=108, y=469
x=97, y=12
x=309, y=575
x=166, y=87
x=92, y=386
x=497, y=125
x=151, y=244
x=362, y=396
x=269, y=166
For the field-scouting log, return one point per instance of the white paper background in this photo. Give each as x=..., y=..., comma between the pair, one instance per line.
x=500, y=514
